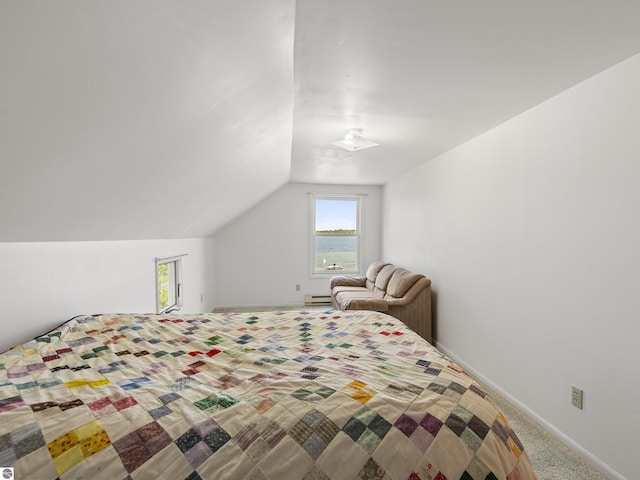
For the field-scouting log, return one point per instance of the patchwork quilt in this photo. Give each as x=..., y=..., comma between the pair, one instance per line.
x=264, y=396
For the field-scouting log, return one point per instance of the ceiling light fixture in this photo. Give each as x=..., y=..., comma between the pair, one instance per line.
x=353, y=141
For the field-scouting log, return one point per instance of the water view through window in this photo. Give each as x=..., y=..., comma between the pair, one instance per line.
x=336, y=235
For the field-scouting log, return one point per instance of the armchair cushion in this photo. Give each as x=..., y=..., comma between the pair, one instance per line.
x=401, y=281
x=362, y=300
x=382, y=280
x=372, y=273
x=344, y=281
x=387, y=288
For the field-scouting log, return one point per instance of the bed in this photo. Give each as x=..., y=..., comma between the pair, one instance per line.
x=265, y=396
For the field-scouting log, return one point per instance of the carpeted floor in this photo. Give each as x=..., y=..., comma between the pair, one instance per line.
x=552, y=459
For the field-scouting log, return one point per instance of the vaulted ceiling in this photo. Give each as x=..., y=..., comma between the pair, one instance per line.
x=167, y=119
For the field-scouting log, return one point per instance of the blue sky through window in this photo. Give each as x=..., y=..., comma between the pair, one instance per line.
x=333, y=214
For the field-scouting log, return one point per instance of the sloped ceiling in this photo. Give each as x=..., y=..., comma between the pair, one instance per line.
x=141, y=119
x=166, y=119
x=420, y=77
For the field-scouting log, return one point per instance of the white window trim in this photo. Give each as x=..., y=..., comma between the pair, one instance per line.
x=312, y=232
x=178, y=285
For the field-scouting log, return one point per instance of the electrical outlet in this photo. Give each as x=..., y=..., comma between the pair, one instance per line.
x=576, y=397
x=297, y=287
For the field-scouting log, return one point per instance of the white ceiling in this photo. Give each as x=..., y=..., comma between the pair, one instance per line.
x=167, y=119
x=420, y=77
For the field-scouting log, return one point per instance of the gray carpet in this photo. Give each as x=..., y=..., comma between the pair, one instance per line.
x=551, y=458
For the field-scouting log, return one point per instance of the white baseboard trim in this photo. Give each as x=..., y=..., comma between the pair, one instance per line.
x=572, y=444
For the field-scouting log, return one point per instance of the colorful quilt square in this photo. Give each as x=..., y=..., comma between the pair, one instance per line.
x=314, y=432
x=73, y=447
x=20, y=442
x=10, y=403
x=367, y=428
x=139, y=446
x=214, y=403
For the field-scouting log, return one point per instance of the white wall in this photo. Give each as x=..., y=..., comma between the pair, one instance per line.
x=44, y=284
x=263, y=254
x=531, y=235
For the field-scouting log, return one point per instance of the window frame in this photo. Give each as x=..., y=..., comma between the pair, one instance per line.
x=175, y=284
x=313, y=197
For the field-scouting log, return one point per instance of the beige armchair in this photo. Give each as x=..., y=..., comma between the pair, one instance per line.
x=389, y=289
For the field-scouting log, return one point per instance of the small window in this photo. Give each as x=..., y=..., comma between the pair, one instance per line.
x=335, y=236
x=168, y=284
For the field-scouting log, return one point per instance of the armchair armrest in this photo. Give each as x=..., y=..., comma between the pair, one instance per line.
x=344, y=281
x=374, y=304
x=416, y=289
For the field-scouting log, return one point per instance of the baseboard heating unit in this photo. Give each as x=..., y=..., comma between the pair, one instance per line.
x=317, y=299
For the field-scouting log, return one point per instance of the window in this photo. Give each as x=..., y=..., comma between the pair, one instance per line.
x=335, y=234
x=168, y=284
